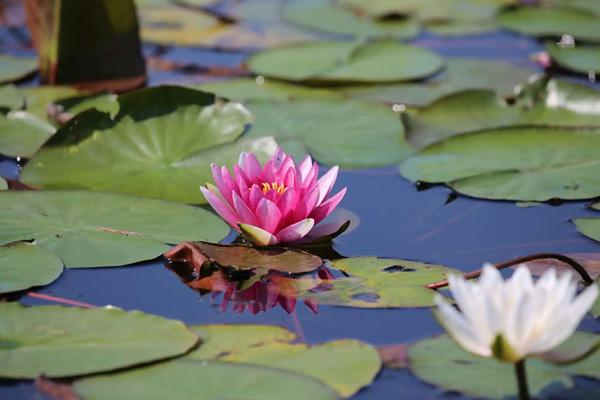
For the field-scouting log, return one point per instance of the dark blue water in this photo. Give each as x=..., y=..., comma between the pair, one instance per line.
x=397, y=221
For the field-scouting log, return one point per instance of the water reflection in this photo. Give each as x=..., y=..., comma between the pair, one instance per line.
x=255, y=291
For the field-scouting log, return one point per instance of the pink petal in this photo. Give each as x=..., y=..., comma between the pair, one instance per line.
x=250, y=165
x=304, y=168
x=311, y=177
x=256, y=235
x=238, y=173
x=246, y=215
x=268, y=215
x=327, y=206
x=278, y=158
x=295, y=231
x=289, y=179
x=220, y=206
x=326, y=183
x=306, y=204
x=267, y=174
x=254, y=196
x=287, y=202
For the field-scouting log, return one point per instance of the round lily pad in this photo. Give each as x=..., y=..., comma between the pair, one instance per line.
x=11, y=97
x=57, y=341
x=163, y=151
x=87, y=229
x=203, y=380
x=518, y=163
x=590, y=227
x=264, y=89
x=15, y=68
x=351, y=134
x=346, y=62
x=583, y=59
x=380, y=283
x=22, y=134
x=25, y=265
x=3, y=184
x=544, y=21
x=38, y=98
x=327, y=16
x=441, y=362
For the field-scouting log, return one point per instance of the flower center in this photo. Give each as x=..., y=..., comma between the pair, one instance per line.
x=277, y=187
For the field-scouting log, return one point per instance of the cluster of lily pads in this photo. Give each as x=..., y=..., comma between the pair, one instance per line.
x=362, y=103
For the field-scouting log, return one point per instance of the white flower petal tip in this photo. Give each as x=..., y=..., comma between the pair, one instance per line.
x=514, y=318
x=257, y=236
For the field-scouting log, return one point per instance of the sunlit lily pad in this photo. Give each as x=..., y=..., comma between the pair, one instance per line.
x=11, y=97
x=374, y=136
x=25, y=265
x=263, y=89
x=380, y=283
x=15, y=68
x=327, y=16
x=345, y=365
x=590, y=227
x=459, y=74
x=441, y=362
x=543, y=21
x=583, y=59
x=519, y=163
x=203, y=380
x=106, y=103
x=66, y=341
x=160, y=151
x=557, y=103
x=22, y=133
x=87, y=229
x=38, y=98
x=346, y=62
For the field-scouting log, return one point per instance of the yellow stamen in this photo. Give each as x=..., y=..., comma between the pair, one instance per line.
x=277, y=187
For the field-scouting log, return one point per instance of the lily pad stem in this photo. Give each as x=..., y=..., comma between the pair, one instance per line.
x=520, y=260
x=522, y=380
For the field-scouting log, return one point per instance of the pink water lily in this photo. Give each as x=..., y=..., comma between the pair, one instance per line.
x=280, y=202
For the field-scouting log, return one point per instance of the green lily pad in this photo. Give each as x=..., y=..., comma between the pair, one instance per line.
x=326, y=16
x=345, y=365
x=22, y=134
x=518, y=163
x=11, y=97
x=15, y=68
x=541, y=21
x=241, y=89
x=220, y=340
x=163, y=151
x=26, y=265
x=289, y=261
x=203, y=380
x=57, y=341
x=373, y=137
x=557, y=103
x=3, y=184
x=590, y=227
x=583, y=59
x=346, y=62
x=595, y=311
x=104, y=102
x=441, y=362
x=38, y=98
x=87, y=229
x=591, y=6
x=459, y=74
x=381, y=283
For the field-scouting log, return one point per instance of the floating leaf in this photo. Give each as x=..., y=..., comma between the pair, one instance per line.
x=556, y=103
x=459, y=74
x=373, y=136
x=441, y=362
x=25, y=265
x=11, y=97
x=239, y=257
x=591, y=6
x=3, y=184
x=203, y=380
x=590, y=227
x=38, y=98
x=326, y=16
x=241, y=89
x=595, y=311
x=88, y=229
x=15, y=68
x=345, y=365
x=162, y=151
x=59, y=341
x=346, y=62
x=542, y=21
x=106, y=103
x=583, y=59
x=380, y=283
x=519, y=163
x=22, y=134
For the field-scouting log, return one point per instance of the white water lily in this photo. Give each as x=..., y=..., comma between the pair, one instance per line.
x=515, y=318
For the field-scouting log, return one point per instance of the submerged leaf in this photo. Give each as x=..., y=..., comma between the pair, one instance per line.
x=80, y=341
x=87, y=229
x=24, y=265
x=346, y=62
x=380, y=283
